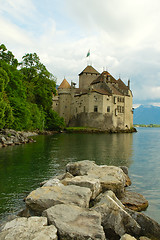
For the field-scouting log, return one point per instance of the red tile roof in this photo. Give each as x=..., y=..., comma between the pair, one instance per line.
x=64, y=84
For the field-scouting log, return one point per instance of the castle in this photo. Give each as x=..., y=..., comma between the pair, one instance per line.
x=101, y=101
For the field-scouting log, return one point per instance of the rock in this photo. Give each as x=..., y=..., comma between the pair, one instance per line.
x=125, y=169
x=27, y=229
x=85, y=181
x=115, y=220
x=149, y=227
x=73, y=222
x=134, y=201
x=110, y=177
x=24, y=213
x=144, y=238
x=52, y=182
x=80, y=168
x=128, y=181
x=9, y=137
x=56, y=178
x=64, y=175
x=3, y=139
x=45, y=197
x=127, y=237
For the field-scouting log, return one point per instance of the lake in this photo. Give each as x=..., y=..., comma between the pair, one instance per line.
x=23, y=167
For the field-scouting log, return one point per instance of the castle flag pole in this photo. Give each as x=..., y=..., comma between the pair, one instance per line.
x=88, y=55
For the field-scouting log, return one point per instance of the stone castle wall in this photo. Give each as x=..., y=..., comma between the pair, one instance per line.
x=93, y=108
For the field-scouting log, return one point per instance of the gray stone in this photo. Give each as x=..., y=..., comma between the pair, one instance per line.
x=64, y=175
x=111, y=177
x=127, y=237
x=80, y=168
x=3, y=139
x=149, y=227
x=73, y=222
x=56, y=178
x=144, y=238
x=33, y=228
x=115, y=220
x=52, y=182
x=85, y=181
x=45, y=197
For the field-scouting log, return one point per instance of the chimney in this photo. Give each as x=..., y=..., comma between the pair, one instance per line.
x=129, y=84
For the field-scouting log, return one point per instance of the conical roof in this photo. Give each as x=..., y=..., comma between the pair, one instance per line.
x=64, y=84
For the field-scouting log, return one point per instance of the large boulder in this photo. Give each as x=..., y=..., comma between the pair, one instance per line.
x=45, y=197
x=111, y=177
x=115, y=220
x=85, y=181
x=80, y=168
x=134, y=201
x=73, y=222
x=127, y=237
x=149, y=227
x=27, y=229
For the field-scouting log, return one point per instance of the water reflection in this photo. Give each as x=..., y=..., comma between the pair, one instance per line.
x=114, y=149
x=23, y=167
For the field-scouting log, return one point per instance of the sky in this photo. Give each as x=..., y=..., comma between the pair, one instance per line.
x=123, y=37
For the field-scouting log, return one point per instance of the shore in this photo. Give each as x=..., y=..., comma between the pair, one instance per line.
x=88, y=201
x=95, y=130
x=10, y=137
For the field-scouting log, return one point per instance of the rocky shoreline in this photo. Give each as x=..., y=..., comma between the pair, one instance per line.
x=87, y=202
x=10, y=137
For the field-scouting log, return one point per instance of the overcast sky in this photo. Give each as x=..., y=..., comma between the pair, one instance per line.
x=123, y=37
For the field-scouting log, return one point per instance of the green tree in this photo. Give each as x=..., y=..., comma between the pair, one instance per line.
x=6, y=115
x=26, y=93
x=7, y=56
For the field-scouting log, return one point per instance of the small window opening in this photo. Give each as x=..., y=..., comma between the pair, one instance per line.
x=95, y=109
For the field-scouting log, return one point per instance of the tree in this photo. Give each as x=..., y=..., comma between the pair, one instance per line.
x=26, y=93
x=7, y=56
x=6, y=115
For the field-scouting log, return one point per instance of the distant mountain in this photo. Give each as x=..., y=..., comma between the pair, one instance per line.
x=146, y=114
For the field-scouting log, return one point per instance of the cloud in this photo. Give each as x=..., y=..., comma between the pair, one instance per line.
x=122, y=35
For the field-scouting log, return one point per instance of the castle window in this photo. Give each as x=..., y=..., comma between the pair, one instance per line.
x=108, y=109
x=84, y=109
x=76, y=110
x=122, y=109
x=95, y=109
x=115, y=100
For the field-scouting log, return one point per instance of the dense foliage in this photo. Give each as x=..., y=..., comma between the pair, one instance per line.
x=26, y=91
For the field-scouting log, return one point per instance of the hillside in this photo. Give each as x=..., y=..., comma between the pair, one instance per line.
x=146, y=115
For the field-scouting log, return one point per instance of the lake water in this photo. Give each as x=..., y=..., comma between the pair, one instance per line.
x=23, y=167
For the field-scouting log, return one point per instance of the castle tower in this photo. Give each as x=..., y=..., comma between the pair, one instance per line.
x=88, y=75
x=64, y=93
